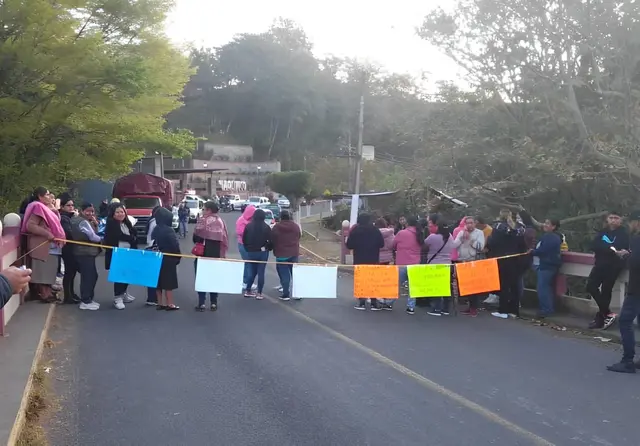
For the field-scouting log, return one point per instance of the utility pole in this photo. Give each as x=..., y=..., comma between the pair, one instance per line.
x=356, y=189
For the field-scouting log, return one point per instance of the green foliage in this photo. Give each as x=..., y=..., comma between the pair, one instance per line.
x=84, y=89
x=293, y=185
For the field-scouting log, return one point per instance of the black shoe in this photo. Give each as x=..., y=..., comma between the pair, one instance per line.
x=375, y=308
x=386, y=307
x=596, y=324
x=609, y=320
x=411, y=311
x=622, y=367
x=360, y=307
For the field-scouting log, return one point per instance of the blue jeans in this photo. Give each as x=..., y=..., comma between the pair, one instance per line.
x=630, y=310
x=546, y=290
x=243, y=256
x=202, y=296
x=183, y=227
x=88, y=277
x=285, y=273
x=257, y=269
x=403, y=276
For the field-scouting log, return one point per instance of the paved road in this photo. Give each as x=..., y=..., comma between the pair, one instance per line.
x=320, y=373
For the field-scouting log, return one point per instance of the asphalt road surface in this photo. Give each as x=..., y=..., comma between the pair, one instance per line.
x=320, y=373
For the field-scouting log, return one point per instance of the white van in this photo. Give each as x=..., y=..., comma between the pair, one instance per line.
x=195, y=205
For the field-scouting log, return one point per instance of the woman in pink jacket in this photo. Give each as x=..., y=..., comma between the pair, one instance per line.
x=386, y=253
x=408, y=247
x=456, y=231
x=241, y=224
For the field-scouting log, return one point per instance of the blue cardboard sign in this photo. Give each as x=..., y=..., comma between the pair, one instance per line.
x=135, y=267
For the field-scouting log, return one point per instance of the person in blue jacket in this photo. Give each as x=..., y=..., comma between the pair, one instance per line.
x=548, y=251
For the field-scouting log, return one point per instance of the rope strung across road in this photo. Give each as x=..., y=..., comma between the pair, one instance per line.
x=191, y=256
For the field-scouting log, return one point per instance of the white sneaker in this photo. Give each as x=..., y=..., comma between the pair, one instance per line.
x=500, y=315
x=90, y=306
x=128, y=298
x=278, y=288
x=118, y=303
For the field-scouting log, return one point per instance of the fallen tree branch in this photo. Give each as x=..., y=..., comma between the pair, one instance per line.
x=517, y=208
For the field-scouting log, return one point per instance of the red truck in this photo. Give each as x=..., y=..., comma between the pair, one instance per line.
x=140, y=193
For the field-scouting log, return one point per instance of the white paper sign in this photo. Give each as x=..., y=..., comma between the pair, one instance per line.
x=315, y=282
x=219, y=276
x=355, y=205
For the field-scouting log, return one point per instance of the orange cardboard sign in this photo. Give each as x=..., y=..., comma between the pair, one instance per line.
x=480, y=276
x=377, y=281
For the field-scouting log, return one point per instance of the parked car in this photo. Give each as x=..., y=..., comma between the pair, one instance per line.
x=269, y=218
x=276, y=209
x=258, y=202
x=284, y=202
x=195, y=206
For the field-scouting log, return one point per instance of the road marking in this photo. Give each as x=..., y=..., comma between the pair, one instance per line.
x=18, y=424
x=425, y=382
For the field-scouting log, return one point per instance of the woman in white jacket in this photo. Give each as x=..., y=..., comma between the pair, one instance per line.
x=470, y=245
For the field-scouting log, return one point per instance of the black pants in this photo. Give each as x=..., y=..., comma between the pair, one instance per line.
x=70, y=271
x=509, y=287
x=88, y=277
x=600, y=285
x=120, y=288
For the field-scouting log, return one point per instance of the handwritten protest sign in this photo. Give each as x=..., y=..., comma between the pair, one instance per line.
x=477, y=277
x=377, y=281
x=429, y=280
x=135, y=267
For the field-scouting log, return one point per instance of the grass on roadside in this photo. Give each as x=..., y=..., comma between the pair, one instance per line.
x=39, y=401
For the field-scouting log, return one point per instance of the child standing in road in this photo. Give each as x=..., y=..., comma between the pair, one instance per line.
x=167, y=242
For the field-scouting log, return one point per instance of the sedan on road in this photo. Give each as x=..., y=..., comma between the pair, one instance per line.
x=284, y=202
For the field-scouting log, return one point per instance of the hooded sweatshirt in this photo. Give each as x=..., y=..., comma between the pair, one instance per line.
x=407, y=248
x=243, y=221
x=285, y=237
x=603, y=242
x=456, y=231
x=386, y=252
x=366, y=241
x=164, y=235
x=257, y=234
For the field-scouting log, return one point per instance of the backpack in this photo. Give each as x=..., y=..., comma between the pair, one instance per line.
x=564, y=246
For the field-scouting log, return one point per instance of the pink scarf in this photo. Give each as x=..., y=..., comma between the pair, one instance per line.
x=50, y=218
x=212, y=227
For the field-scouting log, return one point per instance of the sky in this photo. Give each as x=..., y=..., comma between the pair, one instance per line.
x=347, y=28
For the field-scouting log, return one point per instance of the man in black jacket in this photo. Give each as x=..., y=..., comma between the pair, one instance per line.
x=631, y=306
x=366, y=241
x=608, y=246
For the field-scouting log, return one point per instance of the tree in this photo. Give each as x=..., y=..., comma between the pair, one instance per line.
x=84, y=87
x=294, y=184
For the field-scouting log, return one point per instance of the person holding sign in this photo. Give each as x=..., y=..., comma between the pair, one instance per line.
x=119, y=232
x=366, y=241
x=507, y=240
x=439, y=249
x=469, y=244
x=167, y=241
x=210, y=231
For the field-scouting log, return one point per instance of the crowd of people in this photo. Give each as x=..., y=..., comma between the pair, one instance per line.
x=512, y=239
